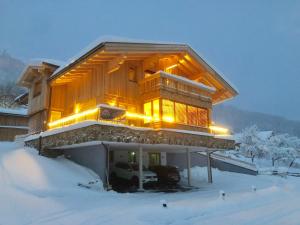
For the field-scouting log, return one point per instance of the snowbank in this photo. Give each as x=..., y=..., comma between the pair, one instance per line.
x=24, y=169
x=40, y=191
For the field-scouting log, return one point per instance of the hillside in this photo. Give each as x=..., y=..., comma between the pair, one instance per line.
x=10, y=68
x=238, y=119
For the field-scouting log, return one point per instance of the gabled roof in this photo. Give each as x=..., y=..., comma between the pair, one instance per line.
x=107, y=44
x=110, y=44
x=32, y=70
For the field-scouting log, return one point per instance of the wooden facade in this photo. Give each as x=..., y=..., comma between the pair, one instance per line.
x=12, y=125
x=143, y=79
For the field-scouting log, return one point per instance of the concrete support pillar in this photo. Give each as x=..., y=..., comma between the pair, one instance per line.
x=188, y=165
x=209, y=173
x=108, y=186
x=141, y=175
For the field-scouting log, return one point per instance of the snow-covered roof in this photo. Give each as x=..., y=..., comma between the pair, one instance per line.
x=213, y=67
x=35, y=64
x=188, y=81
x=39, y=61
x=14, y=111
x=105, y=40
x=109, y=39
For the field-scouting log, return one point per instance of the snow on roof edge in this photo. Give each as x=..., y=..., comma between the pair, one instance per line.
x=16, y=111
x=213, y=67
x=198, y=84
x=108, y=39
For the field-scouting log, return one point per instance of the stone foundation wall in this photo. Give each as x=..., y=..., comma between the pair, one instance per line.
x=100, y=132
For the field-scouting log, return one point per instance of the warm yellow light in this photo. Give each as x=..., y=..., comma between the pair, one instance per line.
x=168, y=111
x=219, y=130
x=77, y=108
x=171, y=67
x=112, y=103
x=148, y=111
x=156, y=116
x=187, y=57
x=168, y=119
x=138, y=116
x=60, y=122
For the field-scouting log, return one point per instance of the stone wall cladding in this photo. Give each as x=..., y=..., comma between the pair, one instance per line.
x=99, y=132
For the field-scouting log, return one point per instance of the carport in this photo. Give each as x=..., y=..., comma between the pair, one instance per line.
x=96, y=156
x=141, y=149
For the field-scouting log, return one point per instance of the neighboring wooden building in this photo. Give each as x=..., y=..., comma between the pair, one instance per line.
x=154, y=96
x=12, y=122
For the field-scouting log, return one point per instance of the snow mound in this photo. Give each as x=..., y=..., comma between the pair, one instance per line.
x=23, y=169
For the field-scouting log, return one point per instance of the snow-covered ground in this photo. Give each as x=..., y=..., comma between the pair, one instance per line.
x=38, y=190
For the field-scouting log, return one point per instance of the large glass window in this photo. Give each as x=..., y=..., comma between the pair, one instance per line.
x=175, y=112
x=192, y=115
x=202, y=117
x=147, y=111
x=180, y=113
x=168, y=110
x=156, y=115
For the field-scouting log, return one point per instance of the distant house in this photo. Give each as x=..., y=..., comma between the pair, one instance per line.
x=12, y=122
x=119, y=97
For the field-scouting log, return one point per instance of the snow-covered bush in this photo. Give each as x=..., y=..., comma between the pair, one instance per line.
x=251, y=143
x=279, y=148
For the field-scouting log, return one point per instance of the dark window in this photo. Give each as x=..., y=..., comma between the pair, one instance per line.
x=132, y=157
x=154, y=159
x=37, y=88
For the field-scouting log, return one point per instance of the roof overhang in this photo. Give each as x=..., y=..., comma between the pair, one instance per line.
x=225, y=90
x=34, y=70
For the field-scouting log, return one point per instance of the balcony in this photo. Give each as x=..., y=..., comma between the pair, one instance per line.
x=162, y=84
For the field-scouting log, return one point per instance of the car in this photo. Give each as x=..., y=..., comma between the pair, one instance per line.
x=166, y=174
x=130, y=172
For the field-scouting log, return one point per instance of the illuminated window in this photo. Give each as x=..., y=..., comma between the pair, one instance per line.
x=156, y=116
x=180, y=113
x=192, y=115
x=202, y=117
x=168, y=110
x=147, y=111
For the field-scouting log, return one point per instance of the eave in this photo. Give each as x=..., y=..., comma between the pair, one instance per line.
x=225, y=91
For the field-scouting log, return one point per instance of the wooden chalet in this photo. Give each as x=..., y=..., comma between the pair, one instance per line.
x=163, y=89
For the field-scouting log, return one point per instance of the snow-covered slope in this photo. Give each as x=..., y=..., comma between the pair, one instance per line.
x=41, y=191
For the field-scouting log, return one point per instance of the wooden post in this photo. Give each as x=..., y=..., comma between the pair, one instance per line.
x=40, y=144
x=209, y=173
x=188, y=160
x=107, y=168
x=141, y=188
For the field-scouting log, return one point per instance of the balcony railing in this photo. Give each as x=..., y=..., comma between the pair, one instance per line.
x=175, y=83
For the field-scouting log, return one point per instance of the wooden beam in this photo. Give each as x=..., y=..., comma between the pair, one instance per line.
x=115, y=64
